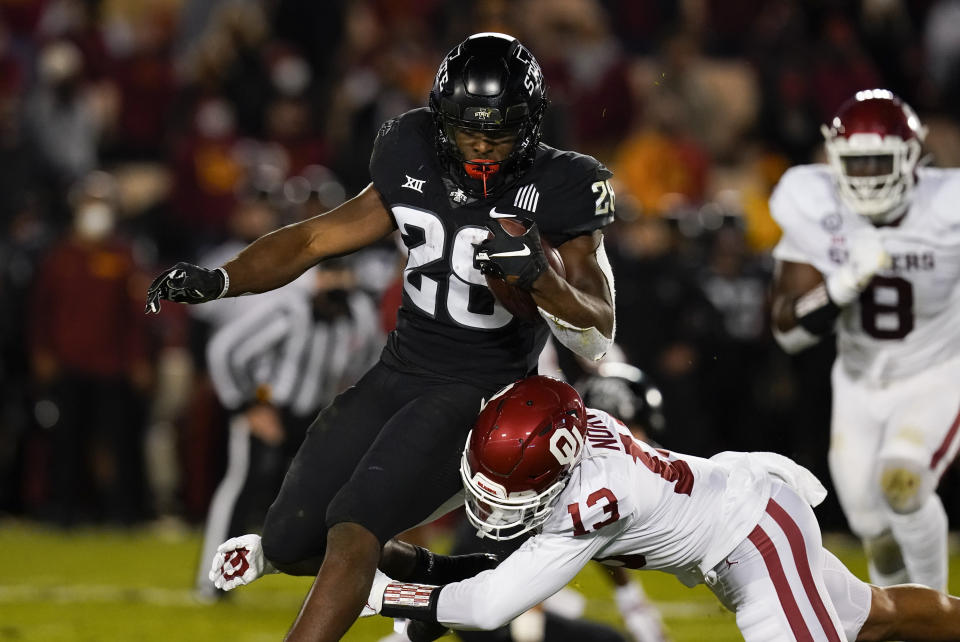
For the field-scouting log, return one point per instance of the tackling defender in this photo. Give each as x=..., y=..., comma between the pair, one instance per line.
x=538, y=460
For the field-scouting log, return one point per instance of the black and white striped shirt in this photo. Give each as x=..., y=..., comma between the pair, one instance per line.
x=302, y=361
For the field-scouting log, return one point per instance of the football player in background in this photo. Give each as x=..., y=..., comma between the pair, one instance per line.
x=623, y=391
x=385, y=455
x=871, y=251
x=538, y=460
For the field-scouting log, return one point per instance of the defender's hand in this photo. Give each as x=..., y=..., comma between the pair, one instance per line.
x=518, y=260
x=239, y=561
x=417, y=631
x=186, y=283
x=867, y=256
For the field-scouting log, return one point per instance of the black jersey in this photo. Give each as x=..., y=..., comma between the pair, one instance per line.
x=449, y=323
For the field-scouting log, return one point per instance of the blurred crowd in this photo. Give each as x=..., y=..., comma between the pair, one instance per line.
x=136, y=134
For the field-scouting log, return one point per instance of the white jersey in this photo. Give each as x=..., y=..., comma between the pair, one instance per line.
x=908, y=318
x=628, y=504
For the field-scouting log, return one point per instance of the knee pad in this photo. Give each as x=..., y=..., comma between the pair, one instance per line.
x=290, y=548
x=274, y=549
x=905, y=484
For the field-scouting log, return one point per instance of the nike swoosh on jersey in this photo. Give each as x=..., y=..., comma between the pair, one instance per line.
x=524, y=252
x=495, y=214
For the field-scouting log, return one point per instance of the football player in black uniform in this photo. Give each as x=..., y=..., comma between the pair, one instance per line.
x=384, y=456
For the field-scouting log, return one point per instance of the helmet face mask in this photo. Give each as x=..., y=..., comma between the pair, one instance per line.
x=501, y=142
x=520, y=454
x=873, y=146
x=500, y=516
x=489, y=83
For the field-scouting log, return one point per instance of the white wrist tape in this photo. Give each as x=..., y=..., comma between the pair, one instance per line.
x=226, y=282
x=586, y=342
x=796, y=339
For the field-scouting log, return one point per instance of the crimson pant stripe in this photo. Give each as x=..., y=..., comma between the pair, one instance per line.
x=772, y=559
x=945, y=446
x=797, y=545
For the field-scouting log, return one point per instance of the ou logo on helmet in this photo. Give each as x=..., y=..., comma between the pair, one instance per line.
x=565, y=444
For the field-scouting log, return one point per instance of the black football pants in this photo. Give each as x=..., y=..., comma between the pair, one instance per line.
x=385, y=454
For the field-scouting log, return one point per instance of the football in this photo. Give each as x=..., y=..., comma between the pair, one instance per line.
x=516, y=300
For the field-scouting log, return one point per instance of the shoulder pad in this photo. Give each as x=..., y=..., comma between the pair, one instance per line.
x=403, y=145
x=577, y=196
x=938, y=191
x=805, y=192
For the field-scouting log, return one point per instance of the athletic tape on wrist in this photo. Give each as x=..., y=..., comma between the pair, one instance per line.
x=815, y=311
x=796, y=339
x=589, y=343
x=226, y=282
x=412, y=601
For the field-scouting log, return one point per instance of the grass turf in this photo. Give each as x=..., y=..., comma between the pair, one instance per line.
x=106, y=585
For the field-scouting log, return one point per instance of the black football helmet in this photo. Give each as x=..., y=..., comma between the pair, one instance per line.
x=626, y=393
x=491, y=83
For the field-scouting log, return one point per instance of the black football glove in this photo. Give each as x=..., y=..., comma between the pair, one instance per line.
x=185, y=283
x=432, y=568
x=518, y=260
x=418, y=631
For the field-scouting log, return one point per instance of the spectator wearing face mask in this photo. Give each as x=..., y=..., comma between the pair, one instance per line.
x=88, y=350
x=65, y=116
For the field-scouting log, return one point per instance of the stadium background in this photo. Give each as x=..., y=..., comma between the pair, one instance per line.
x=179, y=114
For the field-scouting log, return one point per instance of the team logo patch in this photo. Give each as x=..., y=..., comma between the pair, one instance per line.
x=235, y=564
x=565, y=444
x=484, y=114
x=838, y=254
x=832, y=222
x=414, y=183
x=457, y=196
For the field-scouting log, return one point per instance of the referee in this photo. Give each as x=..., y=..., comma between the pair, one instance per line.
x=273, y=366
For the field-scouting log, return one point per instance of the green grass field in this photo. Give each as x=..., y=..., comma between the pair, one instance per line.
x=105, y=586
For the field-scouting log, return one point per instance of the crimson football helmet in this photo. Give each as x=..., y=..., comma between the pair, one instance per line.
x=490, y=83
x=519, y=455
x=873, y=146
